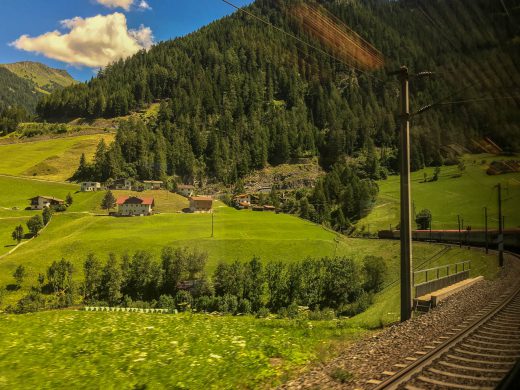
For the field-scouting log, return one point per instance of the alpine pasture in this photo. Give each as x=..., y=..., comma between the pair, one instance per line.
x=51, y=159
x=456, y=192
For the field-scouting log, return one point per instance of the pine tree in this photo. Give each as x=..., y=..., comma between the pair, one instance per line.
x=109, y=201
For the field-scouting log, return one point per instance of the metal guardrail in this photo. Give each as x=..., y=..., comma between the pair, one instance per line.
x=439, y=277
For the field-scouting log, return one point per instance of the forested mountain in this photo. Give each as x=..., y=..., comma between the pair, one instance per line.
x=238, y=95
x=24, y=83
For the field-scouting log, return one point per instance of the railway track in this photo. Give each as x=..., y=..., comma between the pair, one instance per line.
x=477, y=354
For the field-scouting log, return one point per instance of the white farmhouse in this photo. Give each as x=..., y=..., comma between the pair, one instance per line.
x=132, y=206
x=89, y=186
x=186, y=190
x=40, y=202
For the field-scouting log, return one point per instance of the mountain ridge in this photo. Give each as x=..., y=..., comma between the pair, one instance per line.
x=25, y=82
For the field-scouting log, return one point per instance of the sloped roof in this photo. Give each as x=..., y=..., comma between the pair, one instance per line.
x=48, y=198
x=201, y=198
x=134, y=200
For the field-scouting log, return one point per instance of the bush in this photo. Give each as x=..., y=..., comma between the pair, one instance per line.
x=263, y=312
x=359, y=306
x=375, y=270
x=59, y=208
x=322, y=315
x=32, y=302
x=183, y=300
x=293, y=310
x=341, y=375
x=167, y=302
x=205, y=303
x=244, y=306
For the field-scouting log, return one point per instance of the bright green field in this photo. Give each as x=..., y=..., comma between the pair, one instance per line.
x=16, y=191
x=449, y=197
x=53, y=159
x=85, y=350
x=237, y=235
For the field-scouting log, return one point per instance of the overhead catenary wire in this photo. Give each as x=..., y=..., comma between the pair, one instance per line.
x=300, y=40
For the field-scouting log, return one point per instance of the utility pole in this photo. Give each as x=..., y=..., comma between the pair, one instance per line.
x=500, y=230
x=406, y=223
x=486, y=229
x=460, y=238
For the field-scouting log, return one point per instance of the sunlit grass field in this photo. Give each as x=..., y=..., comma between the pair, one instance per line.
x=85, y=350
x=52, y=159
x=451, y=196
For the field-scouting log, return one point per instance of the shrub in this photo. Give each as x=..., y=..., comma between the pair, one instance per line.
x=359, y=306
x=167, y=302
x=183, y=300
x=263, y=312
x=204, y=303
x=32, y=302
x=293, y=310
x=322, y=315
x=375, y=270
x=244, y=306
x=341, y=375
x=59, y=208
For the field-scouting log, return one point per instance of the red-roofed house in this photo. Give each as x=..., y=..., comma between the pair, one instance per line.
x=242, y=201
x=132, y=205
x=201, y=204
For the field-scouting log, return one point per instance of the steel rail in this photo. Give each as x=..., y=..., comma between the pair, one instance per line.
x=423, y=362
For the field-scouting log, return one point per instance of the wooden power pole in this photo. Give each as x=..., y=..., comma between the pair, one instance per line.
x=500, y=228
x=486, y=229
x=406, y=223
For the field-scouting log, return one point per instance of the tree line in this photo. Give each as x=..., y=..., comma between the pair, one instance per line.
x=177, y=280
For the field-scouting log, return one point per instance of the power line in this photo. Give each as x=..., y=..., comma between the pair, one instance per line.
x=300, y=40
x=480, y=100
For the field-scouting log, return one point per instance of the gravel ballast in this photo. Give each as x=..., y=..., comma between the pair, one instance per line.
x=370, y=357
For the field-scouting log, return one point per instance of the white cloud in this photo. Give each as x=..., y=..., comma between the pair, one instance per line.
x=144, y=5
x=94, y=42
x=125, y=4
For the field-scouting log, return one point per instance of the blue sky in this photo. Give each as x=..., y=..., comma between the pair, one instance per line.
x=78, y=44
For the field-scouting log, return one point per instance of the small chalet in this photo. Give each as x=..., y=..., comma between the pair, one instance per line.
x=242, y=201
x=134, y=206
x=268, y=207
x=121, y=184
x=201, y=204
x=186, y=190
x=40, y=202
x=89, y=186
x=153, y=184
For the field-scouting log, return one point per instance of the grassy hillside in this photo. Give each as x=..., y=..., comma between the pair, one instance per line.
x=53, y=159
x=450, y=196
x=44, y=78
x=237, y=235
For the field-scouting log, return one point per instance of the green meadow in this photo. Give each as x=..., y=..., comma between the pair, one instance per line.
x=52, y=159
x=85, y=350
x=450, y=196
